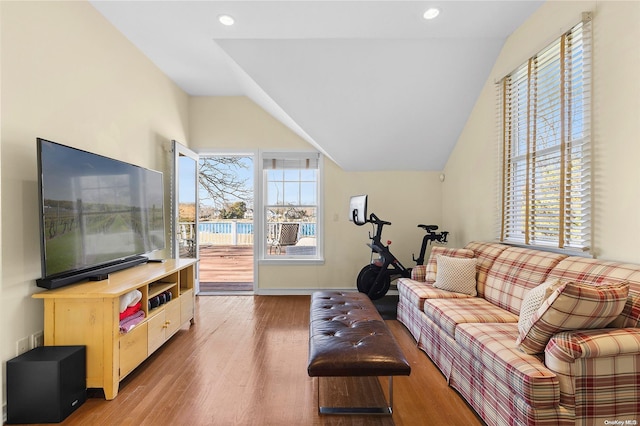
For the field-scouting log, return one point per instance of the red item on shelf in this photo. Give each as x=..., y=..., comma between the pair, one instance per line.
x=130, y=310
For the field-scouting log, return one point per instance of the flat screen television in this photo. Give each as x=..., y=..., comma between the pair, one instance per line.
x=358, y=209
x=97, y=214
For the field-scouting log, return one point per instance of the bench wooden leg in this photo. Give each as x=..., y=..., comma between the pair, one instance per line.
x=384, y=411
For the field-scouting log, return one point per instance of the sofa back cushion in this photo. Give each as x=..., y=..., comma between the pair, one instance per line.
x=514, y=272
x=594, y=271
x=486, y=254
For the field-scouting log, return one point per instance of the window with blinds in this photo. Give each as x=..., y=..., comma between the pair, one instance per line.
x=545, y=144
x=291, y=205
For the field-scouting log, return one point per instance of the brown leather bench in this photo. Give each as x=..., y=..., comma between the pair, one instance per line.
x=348, y=337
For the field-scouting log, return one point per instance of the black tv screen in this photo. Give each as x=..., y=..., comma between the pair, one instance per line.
x=96, y=213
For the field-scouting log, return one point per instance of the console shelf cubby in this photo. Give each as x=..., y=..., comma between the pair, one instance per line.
x=160, y=287
x=87, y=313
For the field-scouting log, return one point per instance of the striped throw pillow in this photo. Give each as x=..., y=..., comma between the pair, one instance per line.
x=572, y=306
x=533, y=299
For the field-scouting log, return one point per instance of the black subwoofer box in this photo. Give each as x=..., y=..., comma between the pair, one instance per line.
x=46, y=384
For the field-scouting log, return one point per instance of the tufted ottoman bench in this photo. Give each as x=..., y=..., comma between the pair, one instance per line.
x=348, y=337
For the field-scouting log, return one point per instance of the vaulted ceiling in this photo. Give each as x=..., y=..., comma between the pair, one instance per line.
x=371, y=84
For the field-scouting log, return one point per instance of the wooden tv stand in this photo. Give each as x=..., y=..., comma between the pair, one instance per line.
x=87, y=313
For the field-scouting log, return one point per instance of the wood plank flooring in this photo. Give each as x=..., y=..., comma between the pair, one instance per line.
x=244, y=363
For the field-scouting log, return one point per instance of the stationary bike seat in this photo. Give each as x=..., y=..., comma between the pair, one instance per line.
x=428, y=228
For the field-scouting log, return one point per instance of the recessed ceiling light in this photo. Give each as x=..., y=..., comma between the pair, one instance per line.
x=226, y=20
x=431, y=13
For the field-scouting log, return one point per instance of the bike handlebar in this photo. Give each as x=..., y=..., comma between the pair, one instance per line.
x=375, y=219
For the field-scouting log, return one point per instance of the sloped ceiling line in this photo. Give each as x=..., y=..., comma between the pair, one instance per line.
x=371, y=84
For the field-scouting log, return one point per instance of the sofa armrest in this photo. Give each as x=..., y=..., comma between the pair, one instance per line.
x=568, y=346
x=418, y=273
x=598, y=372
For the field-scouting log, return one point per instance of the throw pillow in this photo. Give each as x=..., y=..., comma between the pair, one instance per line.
x=432, y=266
x=534, y=299
x=456, y=274
x=572, y=306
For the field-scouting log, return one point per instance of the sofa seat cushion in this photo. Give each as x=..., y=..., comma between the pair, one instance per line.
x=493, y=346
x=415, y=293
x=515, y=272
x=448, y=313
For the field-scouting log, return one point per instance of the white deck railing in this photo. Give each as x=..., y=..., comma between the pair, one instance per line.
x=234, y=232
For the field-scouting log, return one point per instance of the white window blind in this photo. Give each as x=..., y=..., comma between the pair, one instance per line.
x=546, y=139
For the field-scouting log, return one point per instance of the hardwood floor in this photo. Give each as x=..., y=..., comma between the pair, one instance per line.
x=244, y=363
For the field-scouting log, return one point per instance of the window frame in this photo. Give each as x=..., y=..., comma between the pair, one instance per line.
x=264, y=255
x=558, y=162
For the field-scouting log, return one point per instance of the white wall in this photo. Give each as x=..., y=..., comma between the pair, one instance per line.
x=401, y=197
x=470, y=207
x=69, y=76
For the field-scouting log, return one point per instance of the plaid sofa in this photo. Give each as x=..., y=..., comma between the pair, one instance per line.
x=581, y=377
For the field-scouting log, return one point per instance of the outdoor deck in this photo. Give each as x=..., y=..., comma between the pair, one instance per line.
x=226, y=268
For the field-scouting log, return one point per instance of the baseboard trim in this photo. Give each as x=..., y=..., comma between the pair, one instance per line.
x=304, y=291
x=295, y=291
x=282, y=292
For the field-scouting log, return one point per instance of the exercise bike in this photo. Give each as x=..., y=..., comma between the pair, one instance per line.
x=375, y=278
